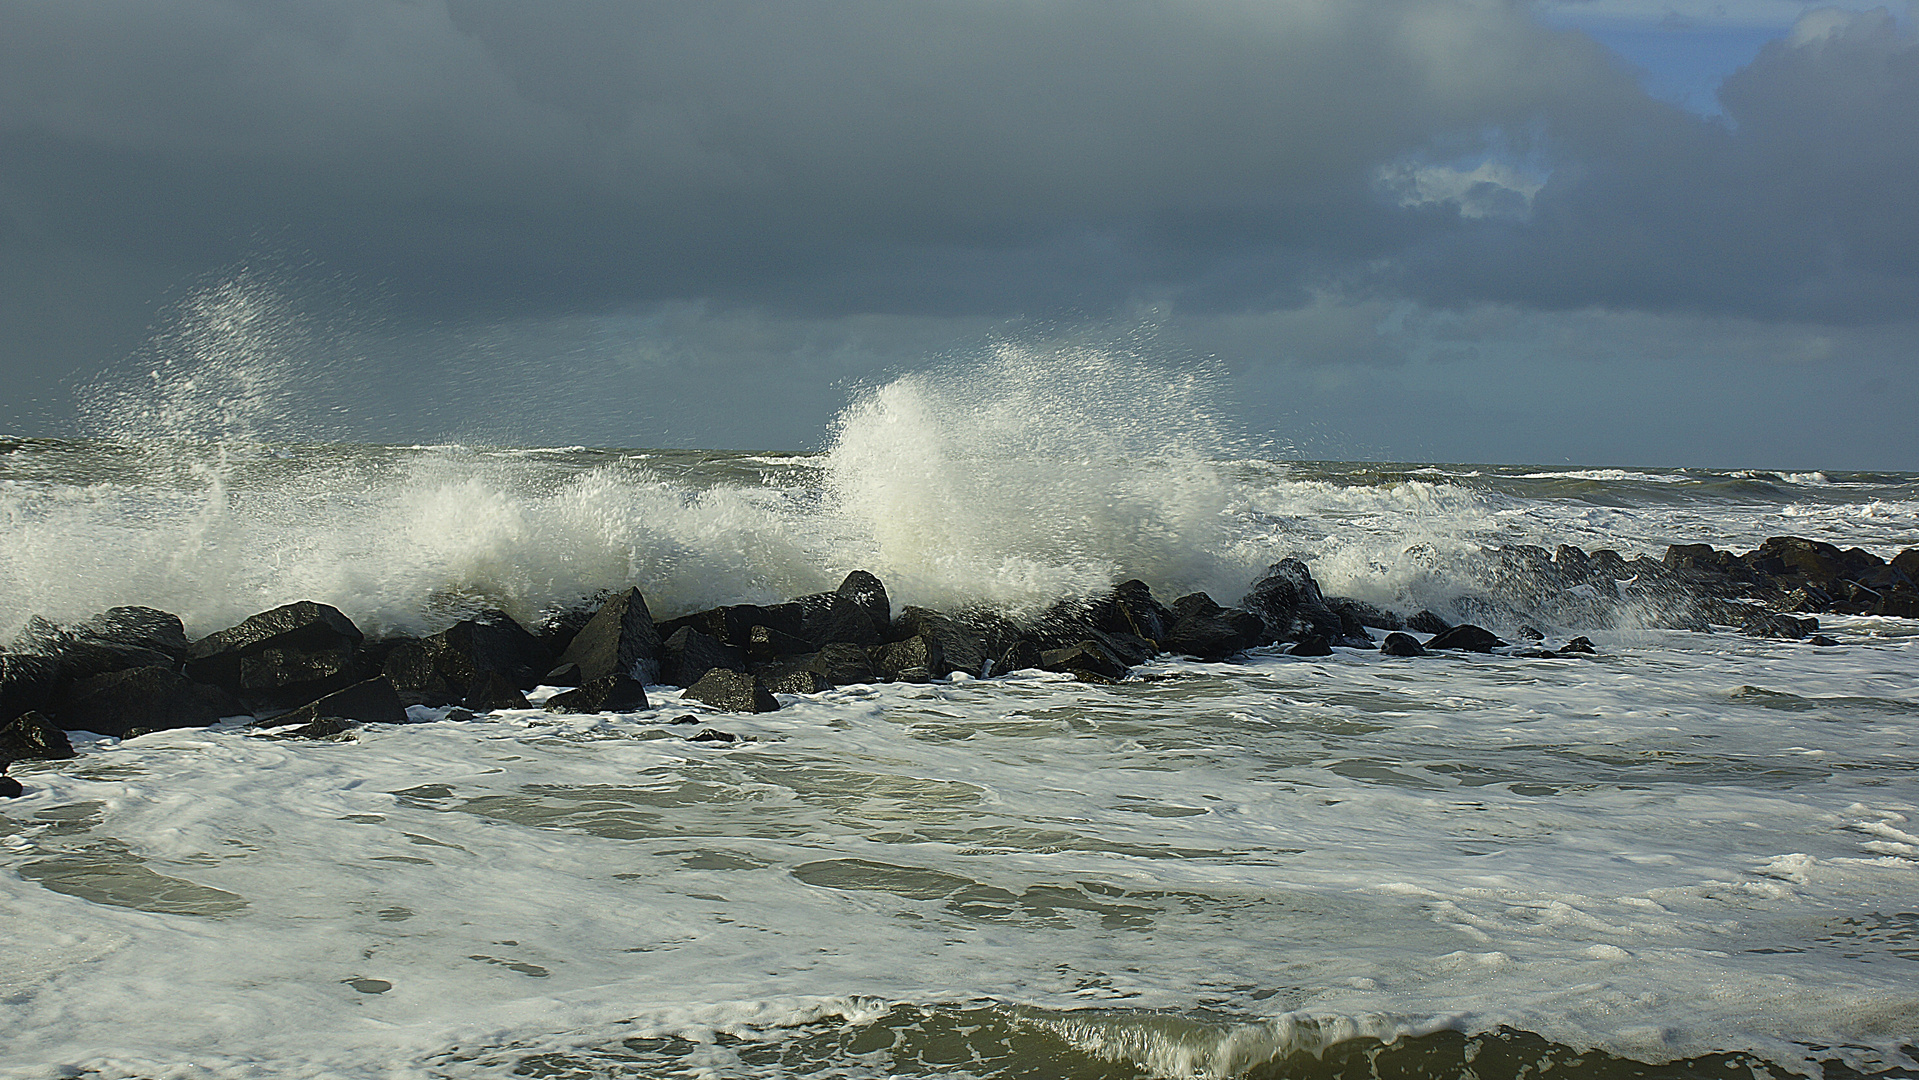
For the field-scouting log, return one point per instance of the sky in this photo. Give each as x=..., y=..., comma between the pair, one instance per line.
x=1605, y=232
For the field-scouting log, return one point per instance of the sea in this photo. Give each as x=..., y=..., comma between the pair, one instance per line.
x=1693, y=854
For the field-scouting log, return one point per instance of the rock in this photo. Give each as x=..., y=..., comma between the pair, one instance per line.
x=114, y=640
x=689, y=654
x=558, y=629
x=1793, y=556
x=1311, y=646
x=476, y=654
x=32, y=737
x=1021, y=655
x=371, y=702
x=1397, y=644
x=857, y=613
x=1766, y=624
x=1902, y=602
x=10, y=788
x=1204, y=630
x=1907, y=563
x=1821, y=640
x=492, y=692
x=1289, y=600
x=713, y=735
x=1086, y=657
x=1427, y=623
x=732, y=691
x=285, y=657
x=1580, y=646
x=733, y=625
x=835, y=664
x=127, y=703
x=1128, y=649
x=609, y=693
x=1465, y=636
x=1572, y=562
x=567, y=674
x=1357, y=615
x=916, y=659
x=27, y=682
x=620, y=639
x=961, y=647
x=326, y=727
x=794, y=681
x=764, y=643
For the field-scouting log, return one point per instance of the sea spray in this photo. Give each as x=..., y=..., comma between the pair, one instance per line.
x=1036, y=473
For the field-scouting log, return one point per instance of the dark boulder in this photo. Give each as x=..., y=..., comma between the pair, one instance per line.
x=620, y=639
x=688, y=654
x=491, y=692
x=732, y=691
x=1311, y=646
x=1021, y=655
x=127, y=703
x=1766, y=624
x=558, y=628
x=1204, y=630
x=371, y=702
x=1790, y=557
x=765, y=643
x=114, y=640
x=714, y=736
x=857, y=613
x=475, y=653
x=1087, y=657
x=280, y=658
x=1397, y=644
x=32, y=737
x=1426, y=622
x=733, y=625
x=915, y=659
x=835, y=664
x=1466, y=636
x=1356, y=615
x=10, y=788
x=961, y=646
x=609, y=693
x=27, y=682
x=1579, y=646
x=1907, y=563
x=1128, y=649
x=1821, y=640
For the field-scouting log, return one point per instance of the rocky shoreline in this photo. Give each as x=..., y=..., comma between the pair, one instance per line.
x=304, y=670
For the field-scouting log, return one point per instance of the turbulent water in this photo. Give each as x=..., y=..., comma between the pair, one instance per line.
x=1695, y=855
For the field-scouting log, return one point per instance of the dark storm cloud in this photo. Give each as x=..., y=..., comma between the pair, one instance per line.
x=834, y=156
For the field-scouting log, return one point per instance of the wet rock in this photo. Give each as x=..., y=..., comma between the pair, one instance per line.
x=608, y=693
x=466, y=658
x=10, y=788
x=733, y=625
x=127, y=703
x=371, y=702
x=1142, y=615
x=492, y=692
x=916, y=659
x=1085, y=657
x=326, y=727
x=1766, y=624
x=1128, y=649
x=1397, y=644
x=1021, y=655
x=1907, y=563
x=1289, y=600
x=567, y=674
x=114, y=640
x=1357, y=615
x=961, y=646
x=281, y=658
x=732, y=691
x=835, y=664
x=558, y=629
x=1204, y=630
x=32, y=737
x=1821, y=640
x=1467, y=637
x=1311, y=646
x=1426, y=622
x=690, y=653
x=714, y=735
x=620, y=639
x=857, y=613
x=27, y=682
x=764, y=643
x=1580, y=646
